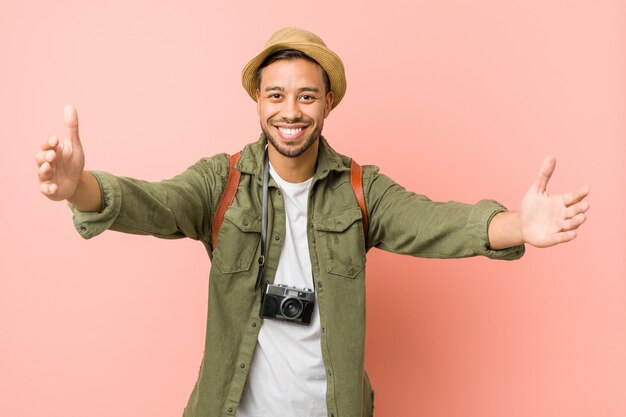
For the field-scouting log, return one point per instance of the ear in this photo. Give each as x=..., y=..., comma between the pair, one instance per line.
x=258, y=105
x=330, y=98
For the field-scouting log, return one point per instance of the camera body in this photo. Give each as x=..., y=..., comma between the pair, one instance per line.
x=292, y=304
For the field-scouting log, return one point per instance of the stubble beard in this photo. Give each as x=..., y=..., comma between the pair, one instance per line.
x=293, y=151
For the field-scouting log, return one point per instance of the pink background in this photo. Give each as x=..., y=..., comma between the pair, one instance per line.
x=454, y=99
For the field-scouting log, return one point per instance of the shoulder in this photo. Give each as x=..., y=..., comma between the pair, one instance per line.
x=370, y=172
x=209, y=174
x=215, y=165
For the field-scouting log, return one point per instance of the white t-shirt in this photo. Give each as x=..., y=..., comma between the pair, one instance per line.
x=287, y=376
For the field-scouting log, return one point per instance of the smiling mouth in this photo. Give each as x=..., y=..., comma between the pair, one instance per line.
x=290, y=133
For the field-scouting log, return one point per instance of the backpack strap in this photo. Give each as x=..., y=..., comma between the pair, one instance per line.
x=227, y=197
x=356, y=181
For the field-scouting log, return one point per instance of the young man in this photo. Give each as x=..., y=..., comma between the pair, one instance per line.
x=315, y=238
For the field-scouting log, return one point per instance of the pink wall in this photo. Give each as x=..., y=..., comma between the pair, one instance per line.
x=454, y=99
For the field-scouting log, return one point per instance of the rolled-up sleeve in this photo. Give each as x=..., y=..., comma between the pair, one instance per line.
x=89, y=224
x=408, y=223
x=174, y=208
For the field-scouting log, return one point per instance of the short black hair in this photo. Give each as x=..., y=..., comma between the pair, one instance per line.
x=289, y=54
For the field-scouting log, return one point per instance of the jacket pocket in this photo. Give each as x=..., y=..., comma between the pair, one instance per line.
x=237, y=241
x=340, y=242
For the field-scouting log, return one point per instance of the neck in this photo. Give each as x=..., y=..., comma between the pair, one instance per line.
x=296, y=169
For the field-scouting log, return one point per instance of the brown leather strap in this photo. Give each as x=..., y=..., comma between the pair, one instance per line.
x=227, y=197
x=356, y=180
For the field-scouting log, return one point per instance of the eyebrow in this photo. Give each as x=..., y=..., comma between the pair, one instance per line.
x=300, y=90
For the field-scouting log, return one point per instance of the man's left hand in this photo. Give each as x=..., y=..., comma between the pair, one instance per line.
x=547, y=220
x=543, y=220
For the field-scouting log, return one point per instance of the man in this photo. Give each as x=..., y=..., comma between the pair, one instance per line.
x=317, y=238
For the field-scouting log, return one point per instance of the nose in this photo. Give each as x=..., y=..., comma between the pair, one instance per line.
x=291, y=109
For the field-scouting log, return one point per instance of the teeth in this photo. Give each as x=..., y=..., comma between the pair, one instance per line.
x=289, y=132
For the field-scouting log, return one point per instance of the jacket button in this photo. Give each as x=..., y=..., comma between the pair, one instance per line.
x=243, y=365
x=253, y=324
x=279, y=192
x=230, y=410
x=83, y=228
x=339, y=224
x=276, y=237
x=246, y=222
x=319, y=284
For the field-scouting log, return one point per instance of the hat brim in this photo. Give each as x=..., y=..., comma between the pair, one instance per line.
x=325, y=57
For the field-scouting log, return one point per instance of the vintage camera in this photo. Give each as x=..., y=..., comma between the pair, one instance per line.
x=282, y=302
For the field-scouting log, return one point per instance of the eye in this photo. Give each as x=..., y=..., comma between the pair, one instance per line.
x=274, y=96
x=307, y=97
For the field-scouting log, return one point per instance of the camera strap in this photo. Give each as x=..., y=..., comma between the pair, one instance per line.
x=266, y=180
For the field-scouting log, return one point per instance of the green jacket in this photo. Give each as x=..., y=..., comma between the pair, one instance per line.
x=399, y=221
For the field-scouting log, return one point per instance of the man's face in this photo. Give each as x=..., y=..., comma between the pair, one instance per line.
x=292, y=103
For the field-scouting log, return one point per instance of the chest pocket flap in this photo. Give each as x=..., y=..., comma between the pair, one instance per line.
x=237, y=241
x=341, y=243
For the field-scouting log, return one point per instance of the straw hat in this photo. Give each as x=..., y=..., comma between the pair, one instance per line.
x=303, y=41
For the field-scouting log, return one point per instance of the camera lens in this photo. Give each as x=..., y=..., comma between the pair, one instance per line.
x=291, y=308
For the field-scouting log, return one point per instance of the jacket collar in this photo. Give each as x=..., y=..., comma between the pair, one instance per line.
x=251, y=160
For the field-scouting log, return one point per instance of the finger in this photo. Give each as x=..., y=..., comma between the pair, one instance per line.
x=576, y=209
x=44, y=188
x=70, y=117
x=573, y=223
x=50, y=143
x=545, y=172
x=45, y=172
x=48, y=189
x=575, y=196
x=563, y=237
x=45, y=156
x=40, y=157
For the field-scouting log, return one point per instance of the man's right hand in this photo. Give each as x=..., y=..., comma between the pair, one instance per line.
x=61, y=162
x=61, y=168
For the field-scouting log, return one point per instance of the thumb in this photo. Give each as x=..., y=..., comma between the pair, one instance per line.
x=71, y=122
x=545, y=172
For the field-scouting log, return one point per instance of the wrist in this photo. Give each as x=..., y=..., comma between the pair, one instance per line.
x=505, y=230
x=86, y=195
